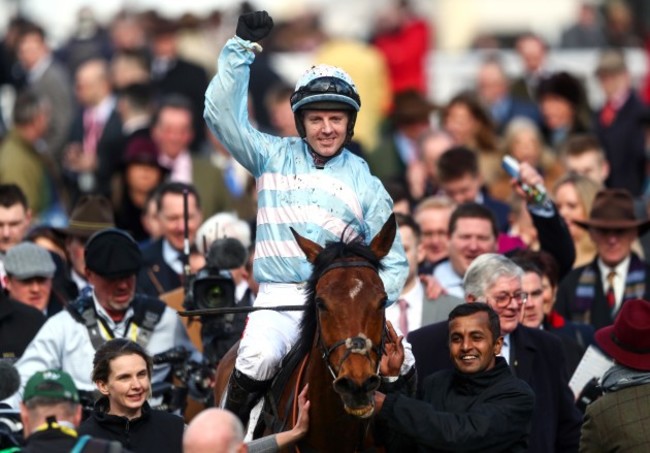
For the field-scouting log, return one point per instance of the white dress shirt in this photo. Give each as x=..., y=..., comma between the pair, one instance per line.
x=619, y=280
x=449, y=279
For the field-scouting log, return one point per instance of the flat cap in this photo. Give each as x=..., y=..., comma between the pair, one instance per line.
x=27, y=260
x=112, y=253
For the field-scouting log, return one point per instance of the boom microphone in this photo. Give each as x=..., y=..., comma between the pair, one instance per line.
x=9, y=379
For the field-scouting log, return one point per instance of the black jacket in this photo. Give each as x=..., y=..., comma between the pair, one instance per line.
x=600, y=315
x=155, y=276
x=488, y=412
x=19, y=324
x=537, y=358
x=50, y=440
x=154, y=431
x=56, y=441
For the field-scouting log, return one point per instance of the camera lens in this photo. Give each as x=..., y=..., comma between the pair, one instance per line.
x=214, y=297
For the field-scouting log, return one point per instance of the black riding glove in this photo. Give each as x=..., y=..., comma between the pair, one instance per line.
x=254, y=26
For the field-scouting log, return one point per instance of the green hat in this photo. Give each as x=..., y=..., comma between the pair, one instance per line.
x=54, y=384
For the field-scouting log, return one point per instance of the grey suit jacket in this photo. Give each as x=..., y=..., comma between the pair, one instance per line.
x=436, y=310
x=56, y=87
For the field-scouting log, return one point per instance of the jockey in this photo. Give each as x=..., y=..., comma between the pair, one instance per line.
x=312, y=183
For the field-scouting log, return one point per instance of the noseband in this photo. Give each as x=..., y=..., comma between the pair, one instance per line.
x=359, y=344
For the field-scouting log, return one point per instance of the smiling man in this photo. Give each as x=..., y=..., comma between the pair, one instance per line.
x=477, y=406
x=533, y=355
x=312, y=183
x=472, y=232
x=111, y=309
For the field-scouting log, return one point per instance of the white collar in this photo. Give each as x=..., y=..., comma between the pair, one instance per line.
x=621, y=268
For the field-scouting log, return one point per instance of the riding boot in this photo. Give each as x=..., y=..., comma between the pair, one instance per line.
x=243, y=394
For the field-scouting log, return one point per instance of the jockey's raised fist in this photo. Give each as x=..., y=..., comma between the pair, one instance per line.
x=254, y=26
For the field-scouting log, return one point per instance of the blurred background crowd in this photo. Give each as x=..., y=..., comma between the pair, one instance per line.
x=81, y=83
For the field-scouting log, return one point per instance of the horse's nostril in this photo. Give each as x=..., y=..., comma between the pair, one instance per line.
x=372, y=383
x=345, y=386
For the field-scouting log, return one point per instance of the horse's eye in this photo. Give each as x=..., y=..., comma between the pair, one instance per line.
x=382, y=303
x=320, y=304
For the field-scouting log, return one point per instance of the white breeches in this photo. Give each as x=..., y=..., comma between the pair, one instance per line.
x=269, y=334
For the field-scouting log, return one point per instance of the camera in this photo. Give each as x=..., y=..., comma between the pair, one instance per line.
x=213, y=288
x=189, y=376
x=210, y=288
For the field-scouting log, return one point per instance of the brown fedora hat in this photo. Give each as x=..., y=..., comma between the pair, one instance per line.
x=613, y=209
x=91, y=214
x=628, y=340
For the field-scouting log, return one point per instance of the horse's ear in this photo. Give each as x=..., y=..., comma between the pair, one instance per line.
x=381, y=244
x=310, y=248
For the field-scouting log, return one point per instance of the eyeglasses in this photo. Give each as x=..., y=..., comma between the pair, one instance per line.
x=502, y=300
x=324, y=85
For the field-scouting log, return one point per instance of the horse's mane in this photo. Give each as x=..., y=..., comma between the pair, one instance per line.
x=333, y=251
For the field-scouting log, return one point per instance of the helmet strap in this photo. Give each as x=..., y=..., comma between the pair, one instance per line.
x=320, y=160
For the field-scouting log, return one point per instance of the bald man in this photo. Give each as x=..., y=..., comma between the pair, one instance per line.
x=220, y=431
x=214, y=430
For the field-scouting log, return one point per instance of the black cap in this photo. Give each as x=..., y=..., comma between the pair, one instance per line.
x=112, y=253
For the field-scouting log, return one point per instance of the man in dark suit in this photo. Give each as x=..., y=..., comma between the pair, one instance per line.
x=172, y=134
x=96, y=139
x=173, y=75
x=163, y=260
x=618, y=124
x=534, y=356
x=493, y=90
x=459, y=177
x=594, y=293
x=50, y=79
x=533, y=51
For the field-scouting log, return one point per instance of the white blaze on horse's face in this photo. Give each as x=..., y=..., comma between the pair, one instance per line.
x=356, y=289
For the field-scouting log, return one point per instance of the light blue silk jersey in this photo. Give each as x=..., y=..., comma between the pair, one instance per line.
x=341, y=200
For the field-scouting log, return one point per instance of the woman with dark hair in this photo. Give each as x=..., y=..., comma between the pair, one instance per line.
x=565, y=110
x=469, y=124
x=122, y=374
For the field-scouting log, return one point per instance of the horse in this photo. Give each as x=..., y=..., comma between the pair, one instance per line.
x=341, y=343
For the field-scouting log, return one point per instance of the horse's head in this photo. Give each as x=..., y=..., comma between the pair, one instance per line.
x=347, y=307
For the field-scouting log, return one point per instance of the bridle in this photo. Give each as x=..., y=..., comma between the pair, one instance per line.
x=359, y=344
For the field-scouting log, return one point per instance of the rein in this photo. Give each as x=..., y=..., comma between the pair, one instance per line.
x=359, y=344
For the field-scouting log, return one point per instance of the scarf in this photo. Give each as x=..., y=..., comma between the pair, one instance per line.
x=619, y=377
x=586, y=288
